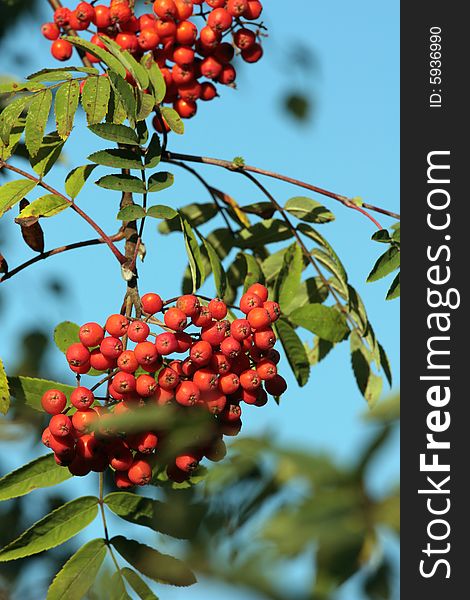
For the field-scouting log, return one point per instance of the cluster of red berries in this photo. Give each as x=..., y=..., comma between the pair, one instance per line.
x=227, y=363
x=184, y=53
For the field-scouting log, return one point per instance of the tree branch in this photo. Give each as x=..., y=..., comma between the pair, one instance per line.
x=231, y=166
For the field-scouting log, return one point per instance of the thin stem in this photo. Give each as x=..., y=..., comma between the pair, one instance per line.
x=208, y=188
x=104, y=380
x=54, y=251
x=105, y=526
x=231, y=166
x=120, y=257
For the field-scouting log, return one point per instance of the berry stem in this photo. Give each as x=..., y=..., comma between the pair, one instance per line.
x=105, y=526
x=231, y=166
x=73, y=206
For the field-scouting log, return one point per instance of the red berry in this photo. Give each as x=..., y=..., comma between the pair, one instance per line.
x=100, y=362
x=254, y=10
x=63, y=446
x=266, y=369
x=185, y=108
x=253, y=53
x=146, y=353
x=83, y=419
x=163, y=397
x=206, y=379
x=82, y=397
x=60, y=425
x=276, y=386
x=240, y=363
x=168, y=379
x=144, y=442
x=183, y=55
x=148, y=39
x=127, y=41
x=249, y=301
x=229, y=384
x=208, y=91
x=203, y=319
x=187, y=462
x=124, y=382
x=215, y=333
x=262, y=399
x=230, y=347
x=264, y=340
x=120, y=457
x=244, y=39
x=120, y=11
x=166, y=30
x=111, y=347
x=184, y=9
x=151, y=303
x=231, y=413
x=91, y=334
x=211, y=67
x=77, y=355
x=218, y=309
x=216, y=3
x=78, y=24
x=186, y=33
x=138, y=331
x=209, y=38
x=259, y=318
x=219, y=20
x=216, y=451
x=122, y=481
x=187, y=393
x=201, y=353
x=165, y=9
x=184, y=341
x=61, y=49
x=102, y=17
x=216, y=402
x=50, y=31
x=240, y=329
x=224, y=52
x=79, y=467
x=237, y=7
x=85, y=11
x=116, y=325
x=140, y=472
x=273, y=309
x=166, y=343
x=146, y=21
x=189, y=304
x=62, y=16
x=175, y=319
x=250, y=380
x=220, y=363
x=53, y=401
x=130, y=26
x=145, y=385
x=87, y=446
x=260, y=290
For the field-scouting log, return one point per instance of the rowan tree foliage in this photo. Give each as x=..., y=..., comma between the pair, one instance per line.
x=160, y=386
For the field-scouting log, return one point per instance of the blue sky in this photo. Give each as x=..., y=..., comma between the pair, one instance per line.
x=351, y=147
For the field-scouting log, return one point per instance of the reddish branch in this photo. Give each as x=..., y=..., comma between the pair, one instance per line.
x=107, y=240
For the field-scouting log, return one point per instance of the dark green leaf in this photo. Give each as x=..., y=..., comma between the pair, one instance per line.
x=10, y=116
x=115, y=133
x=288, y=283
x=160, y=181
x=76, y=179
x=4, y=396
x=126, y=94
x=382, y=236
x=321, y=349
x=313, y=234
x=310, y=291
x=65, y=334
x=117, y=587
x=325, y=321
x=145, y=105
x=174, y=121
x=131, y=213
x=153, y=152
x=387, y=263
x=138, y=72
x=159, y=567
x=14, y=191
x=54, y=529
x=122, y=183
x=194, y=254
x=325, y=259
x=60, y=73
x=117, y=113
x=30, y=390
x=46, y=206
x=48, y=154
x=76, y=577
x=40, y=473
x=220, y=277
x=157, y=80
x=36, y=120
x=254, y=274
x=15, y=136
x=118, y=158
x=66, y=104
x=100, y=53
x=385, y=364
x=368, y=382
x=265, y=210
x=308, y=210
x=295, y=351
x=138, y=584
x=196, y=214
x=394, y=291
x=159, y=211
x=95, y=98
x=265, y=232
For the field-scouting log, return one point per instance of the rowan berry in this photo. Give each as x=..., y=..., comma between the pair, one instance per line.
x=140, y=472
x=116, y=325
x=264, y=339
x=224, y=53
x=220, y=363
x=146, y=353
x=250, y=380
x=254, y=10
x=216, y=3
x=61, y=49
x=229, y=383
x=266, y=369
x=168, y=379
x=230, y=347
x=259, y=318
x=276, y=386
x=148, y=39
x=61, y=16
x=215, y=333
x=122, y=481
x=77, y=355
x=231, y=413
x=147, y=21
x=211, y=67
x=187, y=462
x=120, y=457
x=166, y=343
x=50, y=31
x=111, y=347
x=127, y=41
x=100, y=362
x=201, y=353
x=144, y=442
x=102, y=17
x=237, y=7
x=60, y=425
x=120, y=11
x=219, y=19
x=83, y=419
x=187, y=393
x=91, y=334
x=53, y=401
x=208, y=91
x=163, y=397
x=185, y=108
x=273, y=309
x=216, y=451
x=166, y=30
x=87, y=446
x=175, y=319
x=85, y=11
x=138, y=331
x=79, y=467
x=146, y=385
x=151, y=303
x=240, y=329
x=203, y=319
x=186, y=33
x=260, y=290
x=82, y=397
x=206, y=379
x=253, y=53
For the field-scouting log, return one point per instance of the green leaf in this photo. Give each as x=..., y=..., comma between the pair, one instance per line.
x=66, y=104
x=46, y=206
x=310, y=291
x=115, y=133
x=145, y=105
x=117, y=113
x=387, y=263
x=157, y=81
x=36, y=120
x=153, y=153
x=10, y=116
x=120, y=158
x=100, y=53
x=254, y=274
x=77, y=178
x=264, y=232
x=368, y=382
x=308, y=210
x=196, y=214
x=174, y=121
x=40, y=473
x=159, y=567
x=295, y=351
x=313, y=234
x=382, y=236
x=194, y=254
x=117, y=588
x=65, y=334
x=321, y=349
x=48, y=154
x=125, y=93
x=138, y=584
x=54, y=529
x=329, y=263
x=122, y=183
x=385, y=363
x=265, y=210
x=394, y=291
x=20, y=86
x=14, y=191
x=15, y=137
x=159, y=211
x=325, y=321
x=220, y=277
x=95, y=98
x=30, y=390
x=4, y=395
x=131, y=213
x=137, y=71
x=58, y=74
x=160, y=181
x=76, y=577
x=288, y=282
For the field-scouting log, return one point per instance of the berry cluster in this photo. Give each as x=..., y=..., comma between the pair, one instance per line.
x=184, y=53
x=227, y=363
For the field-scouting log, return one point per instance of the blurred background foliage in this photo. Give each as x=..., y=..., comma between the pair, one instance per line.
x=263, y=513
